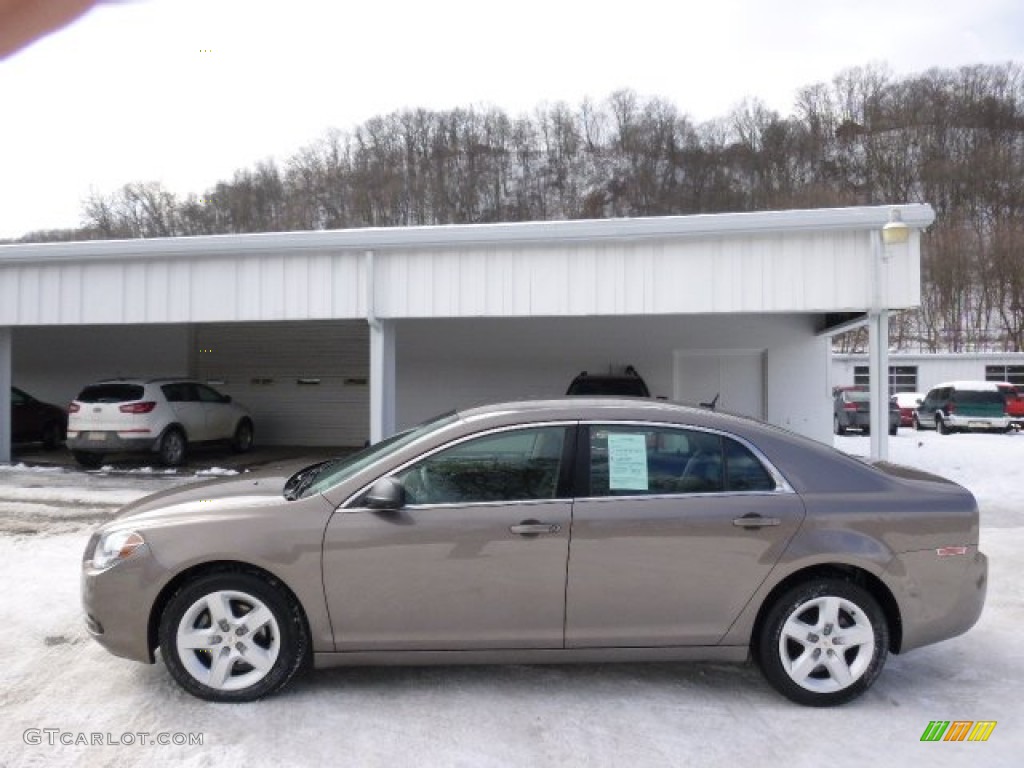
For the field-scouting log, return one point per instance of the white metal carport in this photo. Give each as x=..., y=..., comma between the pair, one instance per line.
x=771, y=284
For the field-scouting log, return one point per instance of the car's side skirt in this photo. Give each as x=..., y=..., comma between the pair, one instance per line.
x=731, y=653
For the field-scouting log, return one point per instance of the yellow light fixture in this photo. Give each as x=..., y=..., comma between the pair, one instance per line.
x=895, y=232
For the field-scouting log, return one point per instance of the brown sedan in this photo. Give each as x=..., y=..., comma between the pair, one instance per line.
x=693, y=535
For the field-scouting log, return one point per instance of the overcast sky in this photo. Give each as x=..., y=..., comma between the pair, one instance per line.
x=187, y=91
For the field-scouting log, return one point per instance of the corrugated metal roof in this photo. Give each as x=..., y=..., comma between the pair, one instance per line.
x=916, y=216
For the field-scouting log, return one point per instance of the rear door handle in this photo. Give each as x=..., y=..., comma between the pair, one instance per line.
x=533, y=528
x=754, y=520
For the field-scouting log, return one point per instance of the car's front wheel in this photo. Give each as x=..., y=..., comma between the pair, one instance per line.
x=916, y=423
x=823, y=642
x=232, y=637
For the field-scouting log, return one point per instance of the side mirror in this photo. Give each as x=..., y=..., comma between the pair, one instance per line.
x=386, y=494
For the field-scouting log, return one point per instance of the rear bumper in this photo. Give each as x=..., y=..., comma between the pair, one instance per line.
x=862, y=420
x=938, y=597
x=959, y=421
x=111, y=442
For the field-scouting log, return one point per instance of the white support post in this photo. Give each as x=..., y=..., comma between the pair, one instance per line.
x=6, y=343
x=878, y=352
x=878, y=374
x=382, y=379
x=382, y=362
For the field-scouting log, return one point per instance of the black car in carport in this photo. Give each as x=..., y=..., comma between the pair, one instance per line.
x=33, y=421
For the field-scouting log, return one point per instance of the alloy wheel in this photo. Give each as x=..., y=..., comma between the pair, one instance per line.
x=826, y=644
x=228, y=640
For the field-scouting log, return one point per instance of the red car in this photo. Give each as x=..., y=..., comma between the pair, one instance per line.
x=33, y=421
x=1014, y=403
x=907, y=402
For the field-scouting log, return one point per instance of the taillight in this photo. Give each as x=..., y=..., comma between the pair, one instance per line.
x=849, y=406
x=145, y=407
x=950, y=407
x=74, y=408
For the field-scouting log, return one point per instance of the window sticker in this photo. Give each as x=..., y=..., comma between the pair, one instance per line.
x=627, y=462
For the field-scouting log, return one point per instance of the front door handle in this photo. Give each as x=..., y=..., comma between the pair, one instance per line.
x=534, y=528
x=754, y=520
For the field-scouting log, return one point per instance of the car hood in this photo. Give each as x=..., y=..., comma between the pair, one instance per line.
x=261, y=488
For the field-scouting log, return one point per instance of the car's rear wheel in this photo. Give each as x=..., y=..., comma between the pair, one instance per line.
x=173, y=447
x=243, y=439
x=942, y=427
x=88, y=460
x=232, y=637
x=838, y=428
x=823, y=642
x=894, y=430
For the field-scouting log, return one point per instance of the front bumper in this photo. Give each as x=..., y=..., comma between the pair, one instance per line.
x=939, y=596
x=117, y=602
x=110, y=442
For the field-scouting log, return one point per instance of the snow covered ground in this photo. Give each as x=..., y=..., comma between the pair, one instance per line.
x=52, y=676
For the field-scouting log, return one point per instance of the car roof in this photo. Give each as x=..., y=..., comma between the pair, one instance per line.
x=979, y=386
x=617, y=408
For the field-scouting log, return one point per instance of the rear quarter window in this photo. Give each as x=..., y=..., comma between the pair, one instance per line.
x=110, y=393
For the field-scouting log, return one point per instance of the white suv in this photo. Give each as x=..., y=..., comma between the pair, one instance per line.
x=161, y=416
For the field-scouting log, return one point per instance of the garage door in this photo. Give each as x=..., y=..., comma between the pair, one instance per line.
x=305, y=383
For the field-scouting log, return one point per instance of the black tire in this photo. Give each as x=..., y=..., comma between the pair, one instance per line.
x=894, y=430
x=283, y=638
x=173, y=448
x=856, y=611
x=88, y=460
x=941, y=427
x=838, y=428
x=52, y=436
x=916, y=423
x=244, y=437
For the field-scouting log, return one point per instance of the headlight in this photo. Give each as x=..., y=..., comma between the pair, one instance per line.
x=116, y=546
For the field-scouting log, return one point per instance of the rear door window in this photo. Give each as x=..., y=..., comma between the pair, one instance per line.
x=637, y=461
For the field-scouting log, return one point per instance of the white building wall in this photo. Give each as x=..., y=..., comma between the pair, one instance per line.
x=932, y=369
x=175, y=289
x=54, y=363
x=774, y=261
x=445, y=364
x=792, y=272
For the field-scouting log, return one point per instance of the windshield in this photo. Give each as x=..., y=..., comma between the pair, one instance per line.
x=330, y=473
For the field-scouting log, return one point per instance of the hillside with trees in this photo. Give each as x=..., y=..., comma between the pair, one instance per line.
x=951, y=138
